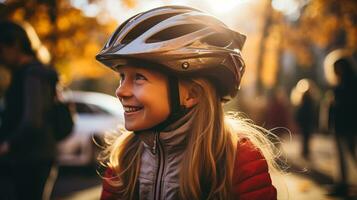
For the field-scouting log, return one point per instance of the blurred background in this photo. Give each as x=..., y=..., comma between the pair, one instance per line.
x=287, y=87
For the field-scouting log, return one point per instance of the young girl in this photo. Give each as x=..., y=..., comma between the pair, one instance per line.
x=177, y=66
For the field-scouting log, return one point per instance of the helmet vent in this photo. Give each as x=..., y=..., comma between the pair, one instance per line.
x=145, y=25
x=118, y=30
x=175, y=32
x=217, y=39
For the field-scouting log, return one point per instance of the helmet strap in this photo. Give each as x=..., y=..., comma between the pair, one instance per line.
x=174, y=93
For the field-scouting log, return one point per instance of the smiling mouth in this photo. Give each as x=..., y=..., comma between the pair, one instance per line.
x=131, y=109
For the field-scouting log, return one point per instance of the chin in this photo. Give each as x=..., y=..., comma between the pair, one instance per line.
x=133, y=127
x=130, y=128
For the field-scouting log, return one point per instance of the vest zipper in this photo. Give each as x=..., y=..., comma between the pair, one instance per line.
x=154, y=147
x=161, y=166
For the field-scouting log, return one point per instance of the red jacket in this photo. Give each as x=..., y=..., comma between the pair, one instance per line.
x=251, y=179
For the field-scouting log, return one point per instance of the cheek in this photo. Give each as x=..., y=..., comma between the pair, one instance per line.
x=157, y=113
x=156, y=103
x=163, y=105
x=154, y=99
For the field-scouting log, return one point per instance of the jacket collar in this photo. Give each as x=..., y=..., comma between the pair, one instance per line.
x=173, y=136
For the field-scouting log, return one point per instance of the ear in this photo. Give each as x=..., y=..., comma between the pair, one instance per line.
x=189, y=94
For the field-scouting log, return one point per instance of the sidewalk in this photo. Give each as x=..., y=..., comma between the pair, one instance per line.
x=92, y=193
x=293, y=186
x=322, y=167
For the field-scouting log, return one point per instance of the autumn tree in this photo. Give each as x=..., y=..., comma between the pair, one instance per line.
x=323, y=26
x=72, y=38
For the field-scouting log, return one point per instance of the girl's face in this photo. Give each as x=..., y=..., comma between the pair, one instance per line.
x=144, y=96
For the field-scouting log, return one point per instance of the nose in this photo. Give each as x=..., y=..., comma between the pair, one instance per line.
x=123, y=90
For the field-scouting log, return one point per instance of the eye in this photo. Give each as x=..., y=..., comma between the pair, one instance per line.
x=121, y=75
x=140, y=77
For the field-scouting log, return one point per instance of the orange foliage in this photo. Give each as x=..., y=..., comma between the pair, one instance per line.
x=129, y=3
x=73, y=39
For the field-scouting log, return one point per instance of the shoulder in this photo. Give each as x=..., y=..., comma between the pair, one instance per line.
x=251, y=178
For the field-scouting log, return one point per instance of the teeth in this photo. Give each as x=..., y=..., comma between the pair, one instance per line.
x=131, y=109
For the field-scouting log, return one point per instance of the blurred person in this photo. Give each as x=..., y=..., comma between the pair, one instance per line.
x=5, y=79
x=324, y=111
x=277, y=115
x=306, y=113
x=4, y=84
x=343, y=118
x=177, y=66
x=27, y=147
x=305, y=119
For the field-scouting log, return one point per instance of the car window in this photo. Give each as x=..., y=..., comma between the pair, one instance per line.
x=83, y=108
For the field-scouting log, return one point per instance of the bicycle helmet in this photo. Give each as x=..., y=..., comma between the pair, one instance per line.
x=184, y=40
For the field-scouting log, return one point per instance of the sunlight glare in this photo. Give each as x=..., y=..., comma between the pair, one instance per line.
x=224, y=6
x=290, y=8
x=91, y=10
x=78, y=3
x=287, y=7
x=303, y=85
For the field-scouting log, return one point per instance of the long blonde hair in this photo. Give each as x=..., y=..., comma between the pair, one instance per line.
x=210, y=154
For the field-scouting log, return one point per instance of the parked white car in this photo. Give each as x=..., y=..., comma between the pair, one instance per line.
x=96, y=114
